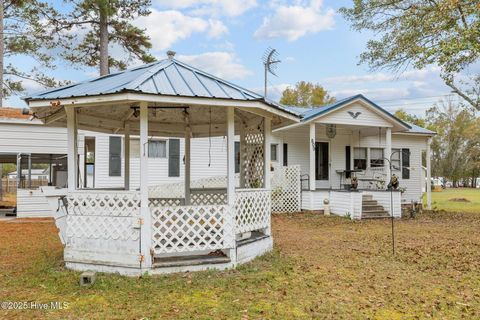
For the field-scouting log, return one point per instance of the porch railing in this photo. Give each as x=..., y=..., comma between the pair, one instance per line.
x=191, y=228
x=252, y=210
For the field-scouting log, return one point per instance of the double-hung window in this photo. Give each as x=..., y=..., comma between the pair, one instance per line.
x=360, y=158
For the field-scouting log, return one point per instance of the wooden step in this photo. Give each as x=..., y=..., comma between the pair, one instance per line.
x=369, y=202
x=372, y=207
x=367, y=197
x=184, y=261
x=375, y=214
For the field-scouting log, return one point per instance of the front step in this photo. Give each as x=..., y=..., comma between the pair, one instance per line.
x=371, y=209
x=185, y=261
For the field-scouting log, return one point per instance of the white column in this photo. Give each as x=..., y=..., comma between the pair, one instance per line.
x=311, y=148
x=352, y=146
x=144, y=210
x=19, y=170
x=267, y=131
x=429, y=175
x=188, y=135
x=72, y=153
x=126, y=157
x=388, y=152
x=243, y=149
x=231, y=156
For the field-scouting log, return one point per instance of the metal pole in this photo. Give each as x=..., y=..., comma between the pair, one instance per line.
x=266, y=70
x=30, y=171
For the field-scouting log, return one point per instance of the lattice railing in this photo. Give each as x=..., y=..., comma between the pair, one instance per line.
x=208, y=196
x=165, y=202
x=103, y=203
x=191, y=228
x=177, y=189
x=286, y=189
x=253, y=155
x=102, y=216
x=252, y=210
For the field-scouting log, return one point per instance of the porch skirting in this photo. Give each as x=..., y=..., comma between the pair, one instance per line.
x=349, y=203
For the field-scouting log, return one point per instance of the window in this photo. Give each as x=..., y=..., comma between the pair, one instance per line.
x=360, y=158
x=405, y=163
x=115, y=157
x=273, y=152
x=237, y=157
x=396, y=156
x=376, y=157
x=157, y=149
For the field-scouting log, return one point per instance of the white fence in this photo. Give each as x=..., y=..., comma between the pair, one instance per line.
x=252, y=210
x=286, y=189
x=191, y=228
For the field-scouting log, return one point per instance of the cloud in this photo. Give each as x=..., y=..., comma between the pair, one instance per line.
x=219, y=63
x=295, y=21
x=167, y=27
x=230, y=8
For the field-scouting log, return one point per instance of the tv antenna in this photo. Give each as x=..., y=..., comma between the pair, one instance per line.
x=270, y=61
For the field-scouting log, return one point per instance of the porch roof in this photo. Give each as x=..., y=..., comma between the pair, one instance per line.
x=168, y=77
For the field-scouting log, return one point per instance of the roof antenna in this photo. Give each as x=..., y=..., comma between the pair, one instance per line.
x=270, y=61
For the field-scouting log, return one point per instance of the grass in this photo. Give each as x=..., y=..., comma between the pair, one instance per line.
x=322, y=267
x=451, y=199
x=8, y=200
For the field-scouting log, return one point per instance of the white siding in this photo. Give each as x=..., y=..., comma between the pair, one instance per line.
x=32, y=204
x=367, y=117
x=158, y=167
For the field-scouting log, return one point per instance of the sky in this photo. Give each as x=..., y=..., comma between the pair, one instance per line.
x=228, y=38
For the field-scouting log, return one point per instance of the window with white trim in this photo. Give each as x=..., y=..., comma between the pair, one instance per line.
x=376, y=157
x=157, y=148
x=273, y=152
x=360, y=158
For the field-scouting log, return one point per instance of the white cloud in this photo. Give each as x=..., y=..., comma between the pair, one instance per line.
x=230, y=8
x=216, y=28
x=219, y=63
x=295, y=21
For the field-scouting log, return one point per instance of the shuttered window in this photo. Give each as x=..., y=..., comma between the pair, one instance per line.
x=115, y=157
x=157, y=149
x=237, y=157
x=174, y=158
x=405, y=163
x=285, y=154
x=396, y=159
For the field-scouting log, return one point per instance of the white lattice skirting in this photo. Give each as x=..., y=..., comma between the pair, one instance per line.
x=252, y=210
x=286, y=189
x=191, y=228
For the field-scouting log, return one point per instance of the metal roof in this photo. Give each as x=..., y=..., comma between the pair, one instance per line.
x=165, y=77
x=417, y=129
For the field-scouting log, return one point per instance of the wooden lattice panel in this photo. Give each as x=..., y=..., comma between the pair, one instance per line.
x=253, y=156
x=286, y=189
x=165, y=202
x=208, y=197
x=102, y=227
x=124, y=204
x=191, y=228
x=252, y=210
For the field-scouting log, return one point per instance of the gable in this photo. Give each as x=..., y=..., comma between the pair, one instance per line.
x=358, y=114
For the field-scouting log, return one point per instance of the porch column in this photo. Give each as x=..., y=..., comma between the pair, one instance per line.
x=19, y=170
x=243, y=150
x=30, y=171
x=72, y=150
x=267, y=131
x=231, y=156
x=388, y=152
x=146, y=232
x=429, y=175
x=188, y=135
x=352, y=154
x=311, y=148
x=126, y=157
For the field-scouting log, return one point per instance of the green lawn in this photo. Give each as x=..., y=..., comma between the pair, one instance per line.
x=453, y=199
x=321, y=268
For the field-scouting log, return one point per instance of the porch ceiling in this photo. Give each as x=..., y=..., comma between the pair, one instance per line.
x=164, y=120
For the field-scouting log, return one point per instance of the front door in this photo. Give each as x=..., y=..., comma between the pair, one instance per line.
x=321, y=164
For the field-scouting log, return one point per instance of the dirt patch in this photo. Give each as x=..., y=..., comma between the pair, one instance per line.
x=459, y=200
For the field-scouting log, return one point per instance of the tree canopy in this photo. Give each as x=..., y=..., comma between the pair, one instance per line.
x=419, y=33
x=306, y=94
